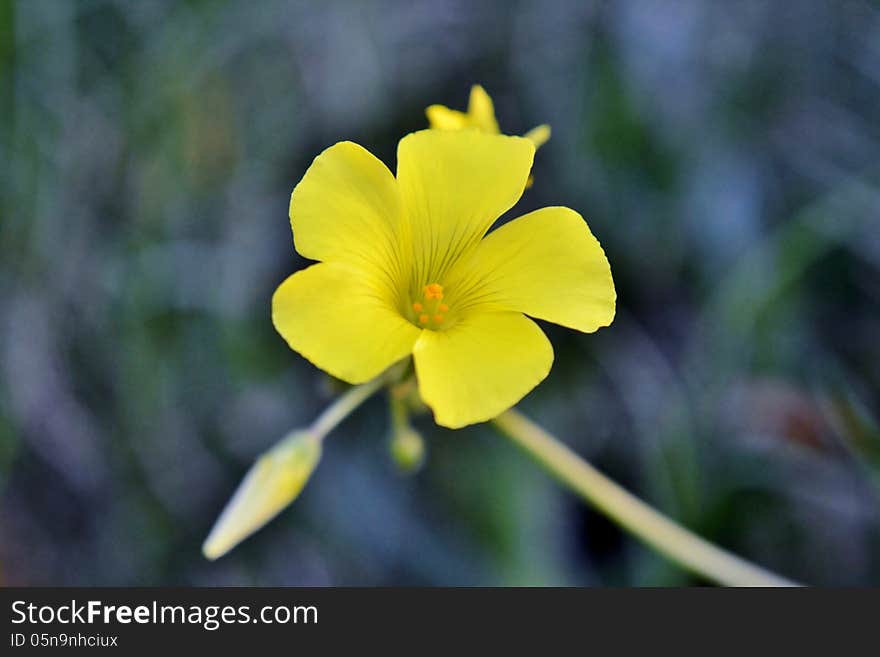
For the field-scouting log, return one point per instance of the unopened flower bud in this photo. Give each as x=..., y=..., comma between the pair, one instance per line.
x=407, y=449
x=272, y=483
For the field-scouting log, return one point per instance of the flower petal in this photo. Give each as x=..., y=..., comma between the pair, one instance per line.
x=341, y=322
x=347, y=209
x=538, y=135
x=480, y=367
x=454, y=185
x=441, y=117
x=546, y=264
x=481, y=110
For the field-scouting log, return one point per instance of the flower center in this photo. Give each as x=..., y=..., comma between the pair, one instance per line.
x=430, y=311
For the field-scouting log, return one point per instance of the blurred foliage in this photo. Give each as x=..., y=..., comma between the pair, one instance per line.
x=727, y=155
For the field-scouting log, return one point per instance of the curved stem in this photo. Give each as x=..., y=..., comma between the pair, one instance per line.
x=340, y=409
x=343, y=406
x=658, y=531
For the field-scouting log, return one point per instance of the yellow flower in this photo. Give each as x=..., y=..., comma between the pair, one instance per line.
x=480, y=115
x=405, y=269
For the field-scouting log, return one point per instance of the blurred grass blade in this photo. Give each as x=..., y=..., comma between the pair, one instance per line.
x=272, y=483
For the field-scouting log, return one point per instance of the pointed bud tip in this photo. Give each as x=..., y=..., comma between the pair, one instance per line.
x=211, y=549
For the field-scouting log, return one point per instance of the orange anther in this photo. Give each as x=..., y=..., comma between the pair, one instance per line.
x=423, y=319
x=443, y=307
x=434, y=291
x=418, y=307
x=438, y=318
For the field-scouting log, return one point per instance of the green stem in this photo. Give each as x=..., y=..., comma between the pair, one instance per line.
x=348, y=402
x=343, y=407
x=667, y=537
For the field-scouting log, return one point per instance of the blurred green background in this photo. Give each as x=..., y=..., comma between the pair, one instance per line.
x=727, y=155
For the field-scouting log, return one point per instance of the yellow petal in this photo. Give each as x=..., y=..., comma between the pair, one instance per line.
x=454, y=185
x=539, y=135
x=441, y=117
x=341, y=322
x=546, y=264
x=272, y=483
x=347, y=209
x=481, y=366
x=481, y=110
